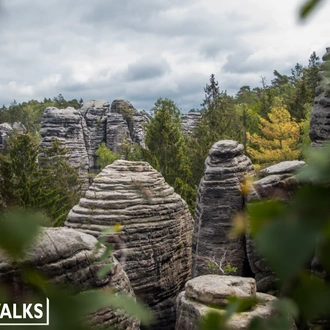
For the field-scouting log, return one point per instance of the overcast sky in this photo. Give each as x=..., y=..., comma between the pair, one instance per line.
x=141, y=50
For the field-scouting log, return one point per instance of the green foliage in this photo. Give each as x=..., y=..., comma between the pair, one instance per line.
x=49, y=183
x=105, y=156
x=308, y=7
x=167, y=150
x=68, y=310
x=30, y=113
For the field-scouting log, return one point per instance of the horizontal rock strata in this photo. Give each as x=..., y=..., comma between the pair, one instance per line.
x=219, y=199
x=155, y=241
x=213, y=290
x=319, y=131
x=279, y=182
x=68, y=257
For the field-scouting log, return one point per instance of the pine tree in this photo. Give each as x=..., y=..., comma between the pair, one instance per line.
x=167, y=150
x=279, y=137
x=216, y=123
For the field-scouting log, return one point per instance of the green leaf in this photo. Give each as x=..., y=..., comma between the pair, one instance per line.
x=260, y=213
x=213, y=321
x=104, y=270
x=308, y=7
x=312, y=296
x=92, y=301
x=287, y=245
x=18, y=230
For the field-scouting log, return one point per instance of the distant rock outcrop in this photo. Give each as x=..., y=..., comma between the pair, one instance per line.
x=69, y=127
x=210, y=293
x=219, y=198
x=320, y=117
x=6, y=130
x=95, y=114
x=69, y=257
x=189, y=121
x=155, y=241
x=82, y=131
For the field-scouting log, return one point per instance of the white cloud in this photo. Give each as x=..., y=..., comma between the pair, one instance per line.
x=142, y=50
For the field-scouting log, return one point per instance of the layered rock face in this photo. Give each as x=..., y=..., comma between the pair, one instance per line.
x=69, y=257
x=279, y=182
x=219, y=198
x=6, y=130
x=68, y=126
x=125, y=122
x=189, y=121
x=213, y=290
x=155, y=241
x=95, y=114
x=82, y=131
x=320, y=117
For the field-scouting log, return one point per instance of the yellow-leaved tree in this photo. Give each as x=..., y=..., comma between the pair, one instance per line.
x=279, y=137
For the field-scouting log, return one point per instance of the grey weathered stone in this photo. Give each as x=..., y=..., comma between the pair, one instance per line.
x=212, y=290
x=6, y=130
x=125, y=123
x=189, y=121
x=82, y=131
x=319, y=131
x=68, y=126
x=279, y=182
x=219, y=198
x=95, y=114
x=117, y=131
x=69, y=257
x=155, y=243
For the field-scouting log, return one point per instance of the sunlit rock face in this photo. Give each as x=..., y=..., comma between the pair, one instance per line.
x=219, y=199
x=69, y=257
x=210, y=293
x=319, y=131
x=154, y=245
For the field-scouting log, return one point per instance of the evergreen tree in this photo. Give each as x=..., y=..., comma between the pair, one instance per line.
x=216, y=123
x=166, y=148
x=49, y=183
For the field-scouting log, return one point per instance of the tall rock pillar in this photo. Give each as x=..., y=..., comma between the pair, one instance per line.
x=319, y=131
x=219, y=198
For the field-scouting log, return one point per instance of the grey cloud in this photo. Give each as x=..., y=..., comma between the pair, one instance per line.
x=147, y=68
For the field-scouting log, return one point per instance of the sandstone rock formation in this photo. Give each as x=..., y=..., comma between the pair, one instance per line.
x=69, y=257
x=125, y=122
x=155, y=242
x=213, y=290
x=95, y=114
x=82, y=131
x=278, y=182
x=189, y=121
x=320, y=117
x=7, y=129
x=69, y=127
x=219, y=198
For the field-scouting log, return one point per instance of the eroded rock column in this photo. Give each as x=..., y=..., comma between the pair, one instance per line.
x=219, y=199
x=155, y=242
